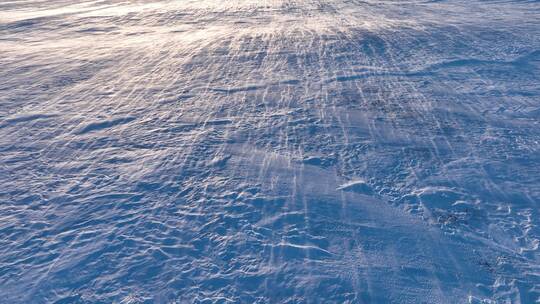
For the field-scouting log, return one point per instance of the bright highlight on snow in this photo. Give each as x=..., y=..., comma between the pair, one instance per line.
x=281, y=151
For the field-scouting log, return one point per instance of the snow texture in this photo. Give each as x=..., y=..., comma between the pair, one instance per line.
x=279, y=151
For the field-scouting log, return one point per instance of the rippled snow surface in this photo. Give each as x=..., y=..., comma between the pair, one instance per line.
x=279, y=151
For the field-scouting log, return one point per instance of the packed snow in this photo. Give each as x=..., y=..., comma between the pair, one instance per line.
x=279, y=151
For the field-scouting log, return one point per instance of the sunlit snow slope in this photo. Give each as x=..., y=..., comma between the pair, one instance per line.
x=280, y=151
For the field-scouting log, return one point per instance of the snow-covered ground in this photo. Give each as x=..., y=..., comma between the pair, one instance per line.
x=279, y=151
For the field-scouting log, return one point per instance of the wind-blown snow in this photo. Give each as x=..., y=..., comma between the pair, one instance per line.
x=280, y=151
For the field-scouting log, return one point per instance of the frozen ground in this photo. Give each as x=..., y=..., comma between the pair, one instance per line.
x=280, y=151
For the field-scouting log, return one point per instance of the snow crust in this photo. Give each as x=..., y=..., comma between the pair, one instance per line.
x=279, y=151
